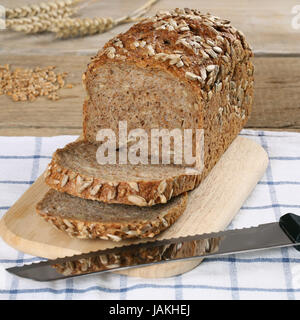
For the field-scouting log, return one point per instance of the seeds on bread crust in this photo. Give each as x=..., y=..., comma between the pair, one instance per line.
x=103, y=259
x=165, y=222
x=162, y=187
x=64, y=180
x=151, y=202
x=114, y=237
x=191, y=76
x=82, y=185
x=171, y=193
x=111, y=194
x=95, y=189
x=48, y=171
x=134, y=186
x=163, y=199
x=137, y=200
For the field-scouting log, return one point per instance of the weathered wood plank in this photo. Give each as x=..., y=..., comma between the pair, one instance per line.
x=267, y=25
x=277, y=93
x=276, y=102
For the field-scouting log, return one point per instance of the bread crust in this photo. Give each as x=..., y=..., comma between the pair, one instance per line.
x=166, y=39
x=115, y=231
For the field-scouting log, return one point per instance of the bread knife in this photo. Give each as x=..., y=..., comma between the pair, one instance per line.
x=284, y=233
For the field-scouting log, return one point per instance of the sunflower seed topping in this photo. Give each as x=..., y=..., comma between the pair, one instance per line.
x=114, y=237
x=112, y=266
x=84, y=185
x=162, y=187
x=211, y=53
x=191, y=76
x=217, y=49
x=95, y=189
x=204, y=54
x=136, y=44
x=150, y=50
x=143, y=43
x=165, y=222
x=210, y=67
x=179, y=64
x=163, y=199
x=134, y=186
x=110, y=52
x=48, y=171
x=64, y=180
x=132, y=233
x=219, y=86
x=185, y=28
x=209, y=95
x=151, y=202
x=203, y=73
x=210, y=42
x=137, y=200
x=111, y=194
x=68, y=223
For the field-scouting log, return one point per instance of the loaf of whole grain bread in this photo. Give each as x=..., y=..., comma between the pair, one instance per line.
x=179, y=69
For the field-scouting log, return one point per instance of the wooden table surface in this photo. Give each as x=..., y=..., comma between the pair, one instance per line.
x=266, y=24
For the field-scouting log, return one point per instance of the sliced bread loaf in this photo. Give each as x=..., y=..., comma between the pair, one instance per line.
x=75, y=170
x=88, y=219
x=179, y=69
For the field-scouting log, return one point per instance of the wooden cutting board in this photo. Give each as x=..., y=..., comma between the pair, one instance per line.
x=210, y=208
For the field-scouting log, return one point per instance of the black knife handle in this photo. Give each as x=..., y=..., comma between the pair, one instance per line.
x=290, y=224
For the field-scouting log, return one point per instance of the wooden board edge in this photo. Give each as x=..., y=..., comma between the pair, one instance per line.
x=27, y=246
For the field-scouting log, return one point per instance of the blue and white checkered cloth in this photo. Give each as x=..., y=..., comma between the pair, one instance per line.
x=273, y=274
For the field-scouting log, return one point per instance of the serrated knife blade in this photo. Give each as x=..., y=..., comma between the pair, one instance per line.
x=284, y=233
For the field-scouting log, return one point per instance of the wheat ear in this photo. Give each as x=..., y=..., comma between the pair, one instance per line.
x=40, y=23
x=77, y=27
x=36, y=9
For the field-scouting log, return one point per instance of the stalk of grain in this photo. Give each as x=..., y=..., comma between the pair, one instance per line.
x=61, y=22
x=67, y=28
x=40, y=23
x=79, y=27
x=36, y=9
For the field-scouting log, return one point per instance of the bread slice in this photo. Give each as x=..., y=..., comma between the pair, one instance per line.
x=88, y=219
x=75, y=170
